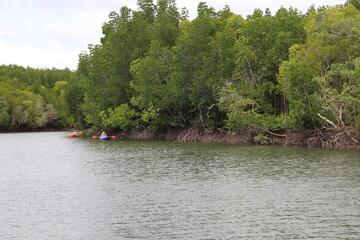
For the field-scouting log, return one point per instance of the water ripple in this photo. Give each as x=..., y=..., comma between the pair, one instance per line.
x=54, y=187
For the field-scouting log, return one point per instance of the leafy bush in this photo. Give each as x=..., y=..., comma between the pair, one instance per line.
x=120, y=117
x=261, y=139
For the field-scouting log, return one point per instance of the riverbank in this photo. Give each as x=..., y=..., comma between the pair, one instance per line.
x=348, y=138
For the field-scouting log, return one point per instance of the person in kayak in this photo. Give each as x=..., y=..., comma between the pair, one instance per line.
x=103, y=134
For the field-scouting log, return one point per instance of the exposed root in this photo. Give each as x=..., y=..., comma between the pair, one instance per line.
x=319, y=138
x=192, y=134
x=241, y=137
x=353, y=135
x=347, y=138
x=275, y=134
x=315, y=139
x=145, y=135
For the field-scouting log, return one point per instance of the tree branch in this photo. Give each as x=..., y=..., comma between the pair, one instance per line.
x=275, y=134
x=328, y=121
x=340, y=115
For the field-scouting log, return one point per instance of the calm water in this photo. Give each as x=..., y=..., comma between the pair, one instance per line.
x=53, y=187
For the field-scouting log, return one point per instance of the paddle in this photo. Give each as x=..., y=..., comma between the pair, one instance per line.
x=94, y=136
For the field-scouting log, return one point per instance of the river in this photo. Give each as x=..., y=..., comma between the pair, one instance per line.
x=54, y=187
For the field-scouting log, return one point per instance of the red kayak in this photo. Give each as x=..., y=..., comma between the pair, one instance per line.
x=72, y=135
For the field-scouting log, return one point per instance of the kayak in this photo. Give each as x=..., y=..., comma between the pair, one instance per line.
x=72, y=135
x=104, y=138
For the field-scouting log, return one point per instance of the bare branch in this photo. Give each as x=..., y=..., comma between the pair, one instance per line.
x=328, y=121
x=275, y=134
x=340, y=115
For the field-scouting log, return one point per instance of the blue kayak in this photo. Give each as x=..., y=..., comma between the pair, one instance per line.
x=104, y=138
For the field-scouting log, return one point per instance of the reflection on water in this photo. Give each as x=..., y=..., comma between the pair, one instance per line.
x=54, y=187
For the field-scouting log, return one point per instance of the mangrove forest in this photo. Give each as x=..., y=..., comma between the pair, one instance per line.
x=288, y=77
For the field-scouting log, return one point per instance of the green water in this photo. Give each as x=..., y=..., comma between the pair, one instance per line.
x=53, y=187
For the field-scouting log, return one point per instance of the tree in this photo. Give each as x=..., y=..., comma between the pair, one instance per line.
x=355, y=3
x=153, y=86
x=193, y=66
x=339, y=95
x=262, y=45
x=33, y=98
x=317, y=76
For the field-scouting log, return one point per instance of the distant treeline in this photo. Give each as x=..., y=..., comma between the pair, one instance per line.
x=155, y=69
x=36, y=98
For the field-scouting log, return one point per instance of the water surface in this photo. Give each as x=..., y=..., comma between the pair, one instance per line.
x=53, y=187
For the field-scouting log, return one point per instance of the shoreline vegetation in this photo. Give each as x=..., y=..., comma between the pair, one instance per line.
x=317, y=138
x=346, y=139
x=286, y=78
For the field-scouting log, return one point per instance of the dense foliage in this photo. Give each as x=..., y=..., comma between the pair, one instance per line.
x=36, y=98
x=321, y=79
x=156, y=69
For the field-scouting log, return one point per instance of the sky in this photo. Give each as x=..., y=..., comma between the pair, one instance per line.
x=52, y=33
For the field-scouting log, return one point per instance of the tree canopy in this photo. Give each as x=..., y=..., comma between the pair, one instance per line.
x=157, y=69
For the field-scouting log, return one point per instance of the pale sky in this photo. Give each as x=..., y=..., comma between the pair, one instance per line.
x=52, y=33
